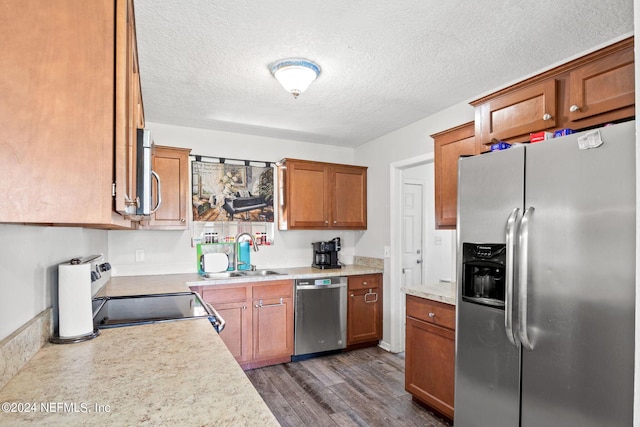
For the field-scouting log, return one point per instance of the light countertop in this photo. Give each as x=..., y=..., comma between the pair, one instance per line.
x=173, y=373
x=443, y=292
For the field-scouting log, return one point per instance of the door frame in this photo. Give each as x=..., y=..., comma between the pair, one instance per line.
x=396, y=296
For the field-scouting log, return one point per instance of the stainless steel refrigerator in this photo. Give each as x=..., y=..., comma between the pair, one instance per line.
x=546, y=294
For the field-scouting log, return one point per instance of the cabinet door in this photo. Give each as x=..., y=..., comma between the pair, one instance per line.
x=172, y=166
x=307, y=197
x=602, y=86
x=518, y=113
x=237, y=331
x=349, y=197
x=448, y=147
x=363, y=315
x=56, y=113
x=272, y=328
x=128, y=110
x=430, y=365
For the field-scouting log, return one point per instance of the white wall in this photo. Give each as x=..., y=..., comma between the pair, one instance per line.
x=29, y=256
x=403, y=144
x=171, y=251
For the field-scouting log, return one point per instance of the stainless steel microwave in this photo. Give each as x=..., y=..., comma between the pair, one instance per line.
x=144, y=174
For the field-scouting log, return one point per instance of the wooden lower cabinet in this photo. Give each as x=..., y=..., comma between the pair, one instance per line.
x=364, y=310
x=259, y=320
x=272, y=323
x=236, y=335
x=430, y=353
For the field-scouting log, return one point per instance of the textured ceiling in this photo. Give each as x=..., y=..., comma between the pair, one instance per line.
x=385, y=64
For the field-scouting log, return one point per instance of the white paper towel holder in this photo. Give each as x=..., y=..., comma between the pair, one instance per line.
x=75, y=314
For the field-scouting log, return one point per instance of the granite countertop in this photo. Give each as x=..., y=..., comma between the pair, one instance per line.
x=442, y=292
x=288, y=274
x=173, y=373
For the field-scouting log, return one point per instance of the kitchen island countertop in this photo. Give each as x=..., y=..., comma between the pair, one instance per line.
x=173, y=373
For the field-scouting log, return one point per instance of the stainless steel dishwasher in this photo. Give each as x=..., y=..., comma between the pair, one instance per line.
x=320, y=316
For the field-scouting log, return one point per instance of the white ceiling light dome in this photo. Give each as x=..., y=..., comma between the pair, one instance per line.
x=295, y=74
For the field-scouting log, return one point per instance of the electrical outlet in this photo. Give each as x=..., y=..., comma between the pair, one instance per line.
x=438, y=240
x=195, y=241
x=139, y=255
x=387, y=251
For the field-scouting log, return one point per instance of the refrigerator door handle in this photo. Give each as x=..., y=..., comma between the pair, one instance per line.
x=523, y=270
x=512, y=225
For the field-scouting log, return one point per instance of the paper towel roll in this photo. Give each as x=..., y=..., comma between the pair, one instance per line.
x=75, y=314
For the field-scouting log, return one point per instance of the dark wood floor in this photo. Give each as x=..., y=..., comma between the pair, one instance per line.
x=358, y=388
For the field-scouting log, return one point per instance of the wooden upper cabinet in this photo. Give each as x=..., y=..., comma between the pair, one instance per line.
x=349, y=202
x=129, y=115
x=603, y=86
x=448, y=147
x=306, y=195
x=518, y=113
x=589, y=91
x=316, y=195
x=172, y=166
x=58, y=88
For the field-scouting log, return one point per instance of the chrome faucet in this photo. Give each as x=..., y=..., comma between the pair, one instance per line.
x=235, y=253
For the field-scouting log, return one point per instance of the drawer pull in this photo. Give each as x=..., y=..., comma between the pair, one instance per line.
x=432, y=314
x=261, y=305
x=546, y=117
x=370, y=294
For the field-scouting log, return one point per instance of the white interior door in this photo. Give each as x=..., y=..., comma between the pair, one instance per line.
x=412, y=223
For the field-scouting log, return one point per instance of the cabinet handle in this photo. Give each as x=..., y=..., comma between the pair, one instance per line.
x=547, y=116
x=364, y=283
x=351, y=295
x=260, y=304
x=574, y=108
x=182, y=220
x=244, y=307
x=432, y=314
x=159, y=190
x=368, y=294
x=326, y=222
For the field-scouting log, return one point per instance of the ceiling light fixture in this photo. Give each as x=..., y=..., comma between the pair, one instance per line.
x=295, y=74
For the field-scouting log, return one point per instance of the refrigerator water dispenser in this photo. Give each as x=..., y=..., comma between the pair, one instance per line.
x=483, y=273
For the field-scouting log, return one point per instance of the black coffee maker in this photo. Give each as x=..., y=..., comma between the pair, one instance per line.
x=325, y=254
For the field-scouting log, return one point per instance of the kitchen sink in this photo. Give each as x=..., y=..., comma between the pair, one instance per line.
x=222, y=275
x=261, y=273
x=241, y=273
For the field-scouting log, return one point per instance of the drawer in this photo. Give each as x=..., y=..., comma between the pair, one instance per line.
x=433, y=312
x=365, y=281
x=277, y=289
x=215, y=295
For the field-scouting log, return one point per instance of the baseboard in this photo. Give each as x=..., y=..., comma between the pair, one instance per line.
x=19, y=347
x=385, y=346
